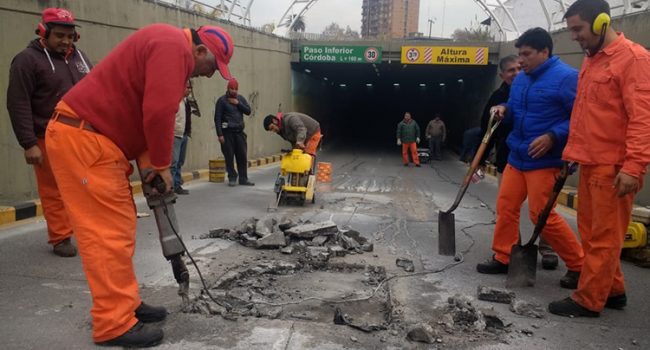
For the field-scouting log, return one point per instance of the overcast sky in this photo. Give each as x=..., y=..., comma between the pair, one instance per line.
x=457, y=14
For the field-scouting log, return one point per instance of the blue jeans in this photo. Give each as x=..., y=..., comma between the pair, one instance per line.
x=178, y=159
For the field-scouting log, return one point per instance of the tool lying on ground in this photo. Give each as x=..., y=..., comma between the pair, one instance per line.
x=446, y=219
x=522, y=269
x=173, y=248
x=296, y=180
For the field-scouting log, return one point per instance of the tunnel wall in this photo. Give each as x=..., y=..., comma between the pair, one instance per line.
x=261, y=63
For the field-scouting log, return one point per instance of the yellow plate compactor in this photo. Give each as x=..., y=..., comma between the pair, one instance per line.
x=296, y=180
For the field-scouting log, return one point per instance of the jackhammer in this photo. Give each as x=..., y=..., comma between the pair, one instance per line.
x=173, y=248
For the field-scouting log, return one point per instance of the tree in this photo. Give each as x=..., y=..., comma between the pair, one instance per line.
x=299, y=25
x=268, y=28
x=472, y=34
x=334, y=31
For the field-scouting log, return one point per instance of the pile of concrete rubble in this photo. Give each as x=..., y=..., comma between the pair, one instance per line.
x=320, y=240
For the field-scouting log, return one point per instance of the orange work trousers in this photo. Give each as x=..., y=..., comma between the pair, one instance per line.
x=92, y=174
x=537, y=185
x=410, y=147
x=58, y=224
x=311, y=146
x=603, y=218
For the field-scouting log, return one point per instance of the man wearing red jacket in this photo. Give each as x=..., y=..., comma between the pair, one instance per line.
x=609, y=137
x=125, y=110
x=38, y=77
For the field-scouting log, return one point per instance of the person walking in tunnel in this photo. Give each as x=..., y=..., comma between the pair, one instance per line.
x=408, y=136
x=436, y=133
x=300, y=129
x=38, y=77
x=610, y=138
x=125, y=110
x=229, y=122
x=539, y=108
x=509, y=67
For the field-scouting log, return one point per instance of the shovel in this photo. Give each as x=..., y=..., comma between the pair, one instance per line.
x=446, y=221
x=522, y=270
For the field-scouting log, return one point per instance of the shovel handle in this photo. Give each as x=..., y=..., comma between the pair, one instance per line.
x=492, y=126
x=543, y=215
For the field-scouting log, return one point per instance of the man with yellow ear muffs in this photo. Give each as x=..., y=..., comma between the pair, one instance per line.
x=609, y=136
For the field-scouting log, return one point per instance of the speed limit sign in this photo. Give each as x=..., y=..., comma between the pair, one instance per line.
x=371, y=54
x=412, y=55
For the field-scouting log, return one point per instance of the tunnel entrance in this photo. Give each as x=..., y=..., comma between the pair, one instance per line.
x=361, y=104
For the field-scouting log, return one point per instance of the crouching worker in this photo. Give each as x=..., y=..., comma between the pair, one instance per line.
x=300, y=129
x=121, y=110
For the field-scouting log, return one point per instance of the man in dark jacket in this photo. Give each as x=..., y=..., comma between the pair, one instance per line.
x=408, y=135
x=38, y=77
x=229, y=122
x=300, y=129
x=539, y=107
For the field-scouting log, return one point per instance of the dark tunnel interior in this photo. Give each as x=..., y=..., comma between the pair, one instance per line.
x=361, y=104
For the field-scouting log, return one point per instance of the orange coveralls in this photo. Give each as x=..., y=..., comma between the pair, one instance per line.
x=609, y=133
x=410, y=147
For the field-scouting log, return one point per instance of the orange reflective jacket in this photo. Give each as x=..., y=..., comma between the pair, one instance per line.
x=610, y=122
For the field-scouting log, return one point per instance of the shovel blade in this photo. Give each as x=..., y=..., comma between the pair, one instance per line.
x=522, y=270
x=446, y=234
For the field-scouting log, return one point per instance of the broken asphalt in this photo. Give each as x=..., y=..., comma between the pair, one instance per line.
x=45, y=301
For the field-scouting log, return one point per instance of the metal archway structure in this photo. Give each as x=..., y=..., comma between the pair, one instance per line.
x=296, y=9
x=500, y=11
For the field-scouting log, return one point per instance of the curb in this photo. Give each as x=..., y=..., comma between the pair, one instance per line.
x=33, y=208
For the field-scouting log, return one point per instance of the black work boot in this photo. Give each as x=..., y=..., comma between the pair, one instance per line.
x=147, y=313
x=570, y=280
x=65, y=249
x=247, y=183
x=492, y=267
x=181, y=190
x=232, y=183
x=139, y=336
x=617, y=302
x=569, y=308
x=549, y=261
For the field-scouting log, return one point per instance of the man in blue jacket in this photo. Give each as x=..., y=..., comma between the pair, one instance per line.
x=539, y=107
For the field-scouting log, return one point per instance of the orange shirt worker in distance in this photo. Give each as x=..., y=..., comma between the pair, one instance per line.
x=124, y=110
x=609, y=137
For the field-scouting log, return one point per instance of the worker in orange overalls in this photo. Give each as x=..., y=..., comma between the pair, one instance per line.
x=125, y=110
x=610, y=139
x=39, y=75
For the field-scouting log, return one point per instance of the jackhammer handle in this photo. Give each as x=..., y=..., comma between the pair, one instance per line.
x=158, y=183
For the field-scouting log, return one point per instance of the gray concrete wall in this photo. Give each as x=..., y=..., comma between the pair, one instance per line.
x=261, y=63
x=636, y=28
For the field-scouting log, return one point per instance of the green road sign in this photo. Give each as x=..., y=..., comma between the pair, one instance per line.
x=340, y=54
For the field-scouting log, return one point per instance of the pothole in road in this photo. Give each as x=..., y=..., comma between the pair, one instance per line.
x=305, y=290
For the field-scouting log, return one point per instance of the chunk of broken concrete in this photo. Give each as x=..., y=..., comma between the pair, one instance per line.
x=423, y=333
x=406, y=264
x=287, y=250
x=248, y=226
x=318, y=253
x=493, y=319
x=495, y=295
x=367, y=247
x=355, y=235
x=337, y=250
x=348, y=243
x=325, y=228
x=265, y=226
x=319, y=240
x=248, y=240
x=271, y=241
x=524, y=308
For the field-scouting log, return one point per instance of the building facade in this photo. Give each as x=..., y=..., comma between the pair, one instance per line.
x=390, y=19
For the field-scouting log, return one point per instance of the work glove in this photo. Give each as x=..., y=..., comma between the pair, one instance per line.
x=399, y=142
x=224, y=125
x=417, y=140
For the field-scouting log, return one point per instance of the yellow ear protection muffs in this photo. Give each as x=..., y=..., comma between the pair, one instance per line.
x=600, y=24
x=43, y=30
